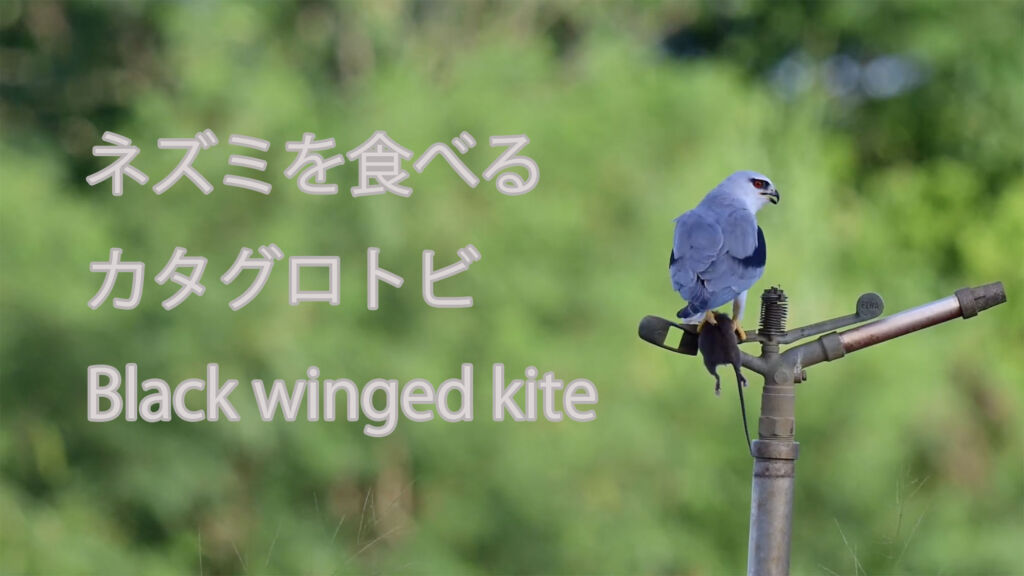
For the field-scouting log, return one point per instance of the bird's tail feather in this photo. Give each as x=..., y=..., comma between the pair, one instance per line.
x=690, y=311
x=697, y=303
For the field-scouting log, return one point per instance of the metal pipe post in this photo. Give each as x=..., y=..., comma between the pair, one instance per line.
x=775, y=451
x=771, y=507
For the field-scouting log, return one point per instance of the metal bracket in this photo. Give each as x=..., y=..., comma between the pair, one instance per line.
x=654, y=329
x=869, y=306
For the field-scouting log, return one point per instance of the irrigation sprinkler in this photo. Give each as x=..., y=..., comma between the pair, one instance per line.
x=775, y=451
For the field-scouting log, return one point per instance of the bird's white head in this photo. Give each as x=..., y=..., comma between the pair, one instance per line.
x=754, y=189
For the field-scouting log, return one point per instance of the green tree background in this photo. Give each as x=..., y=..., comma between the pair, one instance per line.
x=894, y=130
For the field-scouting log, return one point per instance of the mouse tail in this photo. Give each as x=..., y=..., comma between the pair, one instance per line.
x=740, y=383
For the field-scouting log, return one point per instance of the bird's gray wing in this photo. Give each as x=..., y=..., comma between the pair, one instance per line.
x=697, y=242
x=742, y=259
x=731, y=275
x=739, y=228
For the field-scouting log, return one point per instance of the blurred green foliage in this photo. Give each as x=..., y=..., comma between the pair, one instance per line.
x=912, y=452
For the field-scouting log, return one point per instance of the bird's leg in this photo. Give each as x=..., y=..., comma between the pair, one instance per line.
x=709, y=318
x=737, y=315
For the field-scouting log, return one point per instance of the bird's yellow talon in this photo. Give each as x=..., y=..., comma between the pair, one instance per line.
x=740, y=333
x=709, y=317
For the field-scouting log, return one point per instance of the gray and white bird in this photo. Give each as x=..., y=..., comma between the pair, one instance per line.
x=718, y=251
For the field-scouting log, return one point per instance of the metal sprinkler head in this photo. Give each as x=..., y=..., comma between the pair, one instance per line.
x=775, y=451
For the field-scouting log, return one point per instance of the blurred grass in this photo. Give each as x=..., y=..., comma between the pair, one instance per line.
x=912, y=196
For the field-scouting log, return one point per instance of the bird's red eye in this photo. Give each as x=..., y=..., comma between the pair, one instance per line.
x=758, y=183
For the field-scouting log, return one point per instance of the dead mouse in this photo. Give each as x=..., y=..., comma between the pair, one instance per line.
x=719, y=345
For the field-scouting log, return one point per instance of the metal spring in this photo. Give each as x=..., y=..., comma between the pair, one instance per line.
x=774, y=310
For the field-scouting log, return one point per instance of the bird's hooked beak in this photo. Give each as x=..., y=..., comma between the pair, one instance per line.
x=772, y=194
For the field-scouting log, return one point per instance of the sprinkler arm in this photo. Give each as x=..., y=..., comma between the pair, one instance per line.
x=655, y=330
x=869, y=306
x=964, y=303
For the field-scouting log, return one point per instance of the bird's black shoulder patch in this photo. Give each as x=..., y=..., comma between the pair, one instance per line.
x=672, y=258
x=759, y=256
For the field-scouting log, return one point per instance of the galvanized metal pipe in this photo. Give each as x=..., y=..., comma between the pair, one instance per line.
x=771, y=507
x=901, y=323
x=774, y=451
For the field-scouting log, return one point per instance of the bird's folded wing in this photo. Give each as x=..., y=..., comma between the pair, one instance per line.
x=742, y=260
x=730, y=273
x=739, y=229
x=698, y=241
